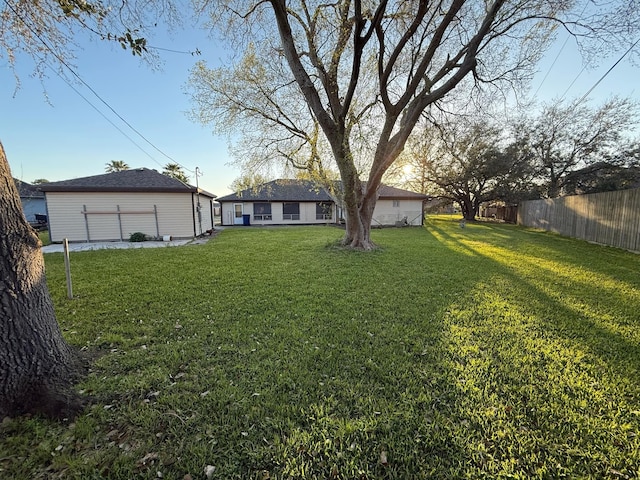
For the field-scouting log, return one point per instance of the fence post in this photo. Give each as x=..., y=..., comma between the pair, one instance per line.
x=67, y=268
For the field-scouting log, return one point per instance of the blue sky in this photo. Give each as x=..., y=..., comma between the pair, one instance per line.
x=67, y=138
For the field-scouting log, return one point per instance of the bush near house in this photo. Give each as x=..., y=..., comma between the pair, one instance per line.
x=138, y=237
x=484, y=352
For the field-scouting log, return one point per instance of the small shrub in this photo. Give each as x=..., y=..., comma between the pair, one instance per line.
x=137, y=237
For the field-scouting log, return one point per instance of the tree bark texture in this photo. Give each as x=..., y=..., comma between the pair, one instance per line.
x=37, y=366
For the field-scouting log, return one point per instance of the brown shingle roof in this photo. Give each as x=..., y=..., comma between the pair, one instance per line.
x=26, y=190
x=283, y=190
x=385, y=191
x=290, y=190
x=132, y=180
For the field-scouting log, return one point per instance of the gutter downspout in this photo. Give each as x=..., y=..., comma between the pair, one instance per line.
x=212, y=216
x=193, y=215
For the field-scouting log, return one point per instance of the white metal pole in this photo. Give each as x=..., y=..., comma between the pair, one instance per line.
x=67, y=268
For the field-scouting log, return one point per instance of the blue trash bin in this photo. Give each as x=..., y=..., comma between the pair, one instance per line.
x=246, y=219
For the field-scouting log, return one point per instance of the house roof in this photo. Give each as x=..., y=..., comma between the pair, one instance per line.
x=26, y=190
x=132, y=180
x=279, y=191
x=290, y=190
x=388, y=192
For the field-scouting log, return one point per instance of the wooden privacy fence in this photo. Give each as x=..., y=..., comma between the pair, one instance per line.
x=609, y=218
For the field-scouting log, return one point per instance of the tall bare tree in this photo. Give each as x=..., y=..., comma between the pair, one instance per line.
x=37, y=367
x=382, y=64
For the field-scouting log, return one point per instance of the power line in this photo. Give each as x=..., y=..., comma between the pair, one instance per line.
x=73, y=72
x=574, y=81
x=608, y=71
x=185, y=52
x=100, y=112
x=556, y=59
x=551, y=66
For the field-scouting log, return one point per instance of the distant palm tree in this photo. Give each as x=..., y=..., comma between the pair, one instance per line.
x=116, y=166
x=175, y=171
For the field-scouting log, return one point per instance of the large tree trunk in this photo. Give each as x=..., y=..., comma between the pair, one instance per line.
x=37, y=367
x=358, y=202
x=358, y=231
x=468, y=211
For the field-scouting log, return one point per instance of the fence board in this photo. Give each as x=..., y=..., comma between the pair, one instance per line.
x=610, y=218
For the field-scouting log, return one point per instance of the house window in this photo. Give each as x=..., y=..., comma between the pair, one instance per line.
x=396, y=203
x=291, y=211
x=262, y=211
x=323, y=211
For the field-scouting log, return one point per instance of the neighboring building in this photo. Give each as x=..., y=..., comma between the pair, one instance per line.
x=112, y=206
x=301, y=202
x=33, y=201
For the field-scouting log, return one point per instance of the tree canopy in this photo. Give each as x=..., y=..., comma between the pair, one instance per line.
x=470, y=162
x=566, y=138
x=116, y=166
x=174, y=170
x=557, y=149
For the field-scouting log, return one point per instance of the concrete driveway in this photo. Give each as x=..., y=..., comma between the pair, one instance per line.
x=83, y=246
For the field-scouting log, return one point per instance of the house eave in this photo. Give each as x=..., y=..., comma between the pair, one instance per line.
x=88, y=189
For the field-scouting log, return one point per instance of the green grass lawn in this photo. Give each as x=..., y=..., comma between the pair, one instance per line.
x=44, y=237
x=485, y=352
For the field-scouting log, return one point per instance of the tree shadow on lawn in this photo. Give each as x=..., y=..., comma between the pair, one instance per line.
x=558, y=368
x=570, y=295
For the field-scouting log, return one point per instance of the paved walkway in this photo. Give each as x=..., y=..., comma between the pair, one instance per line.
x=83, y=246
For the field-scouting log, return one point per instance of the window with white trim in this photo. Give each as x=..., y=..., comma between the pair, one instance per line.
x=323, y=211
x=262, y=211
x=291, y=211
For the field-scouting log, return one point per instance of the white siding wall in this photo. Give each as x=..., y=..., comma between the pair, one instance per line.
x=204, y=222
x=66, y=219
x=307, y=214
x=226, y=213
x=386, y=214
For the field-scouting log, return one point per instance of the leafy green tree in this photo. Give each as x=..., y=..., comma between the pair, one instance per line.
x=116, y=166
x=39, y=181
x=174, y=170
x=617, y=173
x=574, y=139
x=472, y=163
x=246, y=181
x=364, y=73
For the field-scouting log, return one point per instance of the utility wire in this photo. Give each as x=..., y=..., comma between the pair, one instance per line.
x=608, y=71
x=556, y=59
x=65, y=64
x=193, y=53
x=574, y=81
x=551, y=66
x=100, y=112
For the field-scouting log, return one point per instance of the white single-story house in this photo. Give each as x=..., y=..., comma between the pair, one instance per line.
x=112, y=206
x=33, y=202
x=303, y=202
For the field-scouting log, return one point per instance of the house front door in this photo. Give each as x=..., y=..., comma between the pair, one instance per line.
x=237, y=214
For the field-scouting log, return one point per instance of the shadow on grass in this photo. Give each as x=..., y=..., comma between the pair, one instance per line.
x=555, y=345
x=572, y=307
